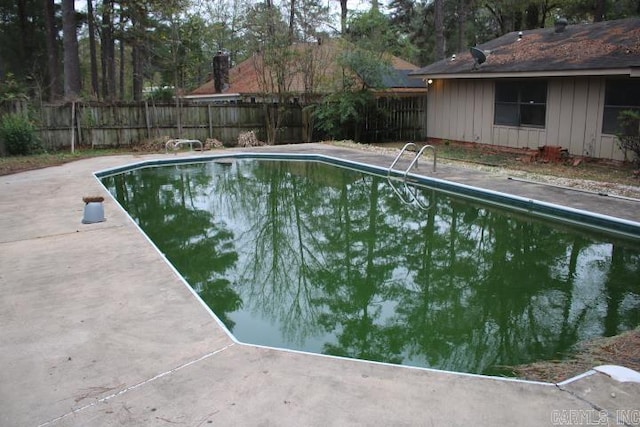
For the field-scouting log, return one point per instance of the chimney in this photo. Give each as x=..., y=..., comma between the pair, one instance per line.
x=221, y=71
x=560, y=25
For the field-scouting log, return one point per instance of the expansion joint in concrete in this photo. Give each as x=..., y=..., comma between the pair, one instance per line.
x=138, y=385
x=70, y=233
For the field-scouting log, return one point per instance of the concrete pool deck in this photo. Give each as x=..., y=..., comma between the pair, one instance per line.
x=98, y=330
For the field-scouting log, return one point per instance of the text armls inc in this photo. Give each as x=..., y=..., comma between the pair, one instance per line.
x=592, y=417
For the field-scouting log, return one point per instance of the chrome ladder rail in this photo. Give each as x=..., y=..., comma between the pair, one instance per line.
x=414, y=162
x=413, y=196
x=410, y=196
x=175, y=144
x=406, y=146
x=415, y=159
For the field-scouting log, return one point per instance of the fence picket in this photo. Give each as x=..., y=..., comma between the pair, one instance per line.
x=126, y=124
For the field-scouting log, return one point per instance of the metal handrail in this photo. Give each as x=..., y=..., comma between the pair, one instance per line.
x=406, y=146
x=177, y=143
x=415, y=160
x=398, y=193
x=414, y=199
x=412, y=193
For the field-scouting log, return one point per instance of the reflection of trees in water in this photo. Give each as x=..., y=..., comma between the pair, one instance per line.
x=320, y=250
x=276, y=207
x=163, y=202
x=357, y=278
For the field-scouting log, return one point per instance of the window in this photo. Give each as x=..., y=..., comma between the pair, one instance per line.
x=620, y=95
x=521, y=103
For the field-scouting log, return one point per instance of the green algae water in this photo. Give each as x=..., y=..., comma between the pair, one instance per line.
x=324, y=259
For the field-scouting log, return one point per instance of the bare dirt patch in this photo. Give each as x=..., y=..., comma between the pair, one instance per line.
x=623, y=350
x=15, y=164
x=588, y=174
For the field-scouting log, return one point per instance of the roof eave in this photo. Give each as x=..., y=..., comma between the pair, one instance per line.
x=628, y=71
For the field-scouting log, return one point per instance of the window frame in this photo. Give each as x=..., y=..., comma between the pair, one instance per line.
x=612, y=108
x=519, y=104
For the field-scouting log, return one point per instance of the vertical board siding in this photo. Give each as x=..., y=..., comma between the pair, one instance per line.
x=567, y=105
x=463, y=109
x=593, y=116
x=435, y=109
x=554, y=100
x=469, y=113
x=454, y=109
x=576, y=140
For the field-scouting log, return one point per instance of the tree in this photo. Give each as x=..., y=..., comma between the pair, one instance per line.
x=53, y=59
x=274, y=62
x=95, y=88
x=227, y=27
x=364, y=64
x=108, y=49
x=629, y=134
x=344, y=12
x=439, y=29
x=72, y=80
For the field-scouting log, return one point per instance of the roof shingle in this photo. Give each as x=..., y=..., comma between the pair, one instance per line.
x=596, y=47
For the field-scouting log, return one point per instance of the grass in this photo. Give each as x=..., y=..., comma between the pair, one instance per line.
x=492, y=156
x=608, y=171
x=15, y=164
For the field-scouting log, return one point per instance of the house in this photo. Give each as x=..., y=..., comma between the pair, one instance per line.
x=314, y=71
x=561, y=86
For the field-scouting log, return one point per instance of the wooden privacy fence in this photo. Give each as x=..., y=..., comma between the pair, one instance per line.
x=126, y=124
x=396, y=119
x=101, y=125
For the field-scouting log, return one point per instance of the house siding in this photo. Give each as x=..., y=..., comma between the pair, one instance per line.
x=463, y=110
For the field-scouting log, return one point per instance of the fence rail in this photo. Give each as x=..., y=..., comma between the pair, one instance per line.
x=126, y=124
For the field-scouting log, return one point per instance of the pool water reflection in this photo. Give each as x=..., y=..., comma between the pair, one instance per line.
x=320, y=258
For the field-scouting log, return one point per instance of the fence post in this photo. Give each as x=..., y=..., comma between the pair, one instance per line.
x=73, y=133
x=146, y=118
x=210, y=120
x=79, y=115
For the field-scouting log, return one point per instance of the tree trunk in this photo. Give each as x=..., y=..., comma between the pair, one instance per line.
x=292, y=14
x=95, y=90
x=136, y=53
x=599, y=11
x=53, y=59
x=121, y=70
x=136, y=60
x=439, y=27
x=463, y=11
x=108, y=51
x=343, y=17
x=70, y=47
x=121, y=73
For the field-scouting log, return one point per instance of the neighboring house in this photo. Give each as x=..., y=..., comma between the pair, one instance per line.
x=561, y=86
x=315, y=72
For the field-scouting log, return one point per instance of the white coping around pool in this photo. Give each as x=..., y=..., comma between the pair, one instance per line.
x=98, y=331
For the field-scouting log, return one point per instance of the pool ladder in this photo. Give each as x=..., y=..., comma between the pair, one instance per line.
x=175, y=144
x=410, y=196
x=414, y=162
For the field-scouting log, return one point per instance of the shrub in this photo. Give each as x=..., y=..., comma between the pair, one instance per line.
x=629, y=134
x=341, y=114
x=162, y=94
x=18, y=135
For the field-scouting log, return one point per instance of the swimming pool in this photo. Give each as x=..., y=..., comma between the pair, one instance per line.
x=325, y=256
